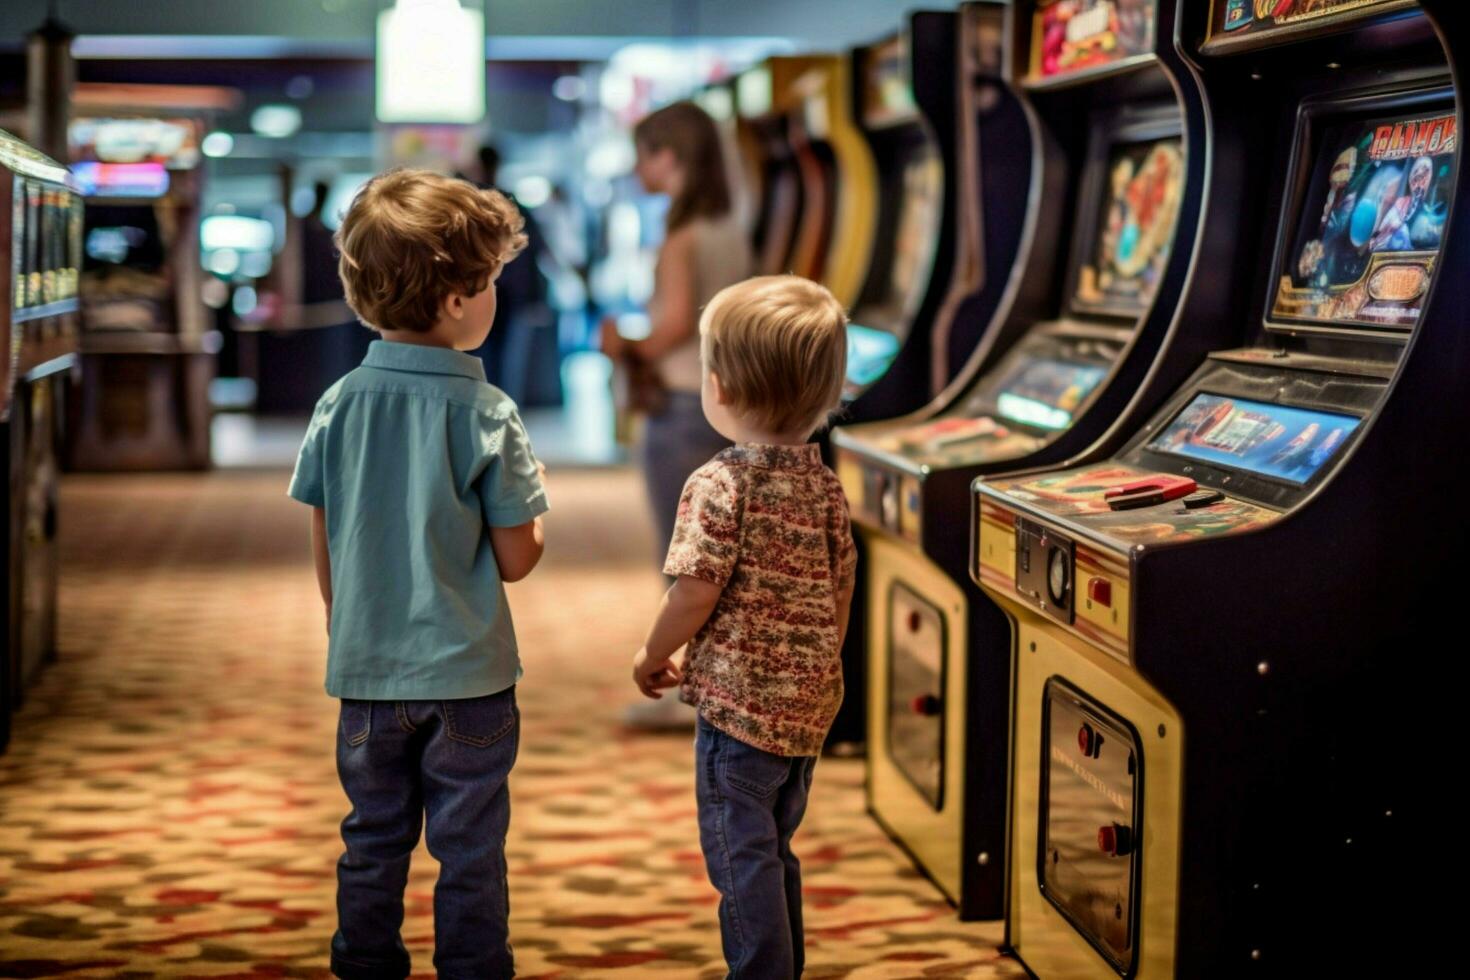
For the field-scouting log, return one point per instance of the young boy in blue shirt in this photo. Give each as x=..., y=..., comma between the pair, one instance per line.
x=426, y=498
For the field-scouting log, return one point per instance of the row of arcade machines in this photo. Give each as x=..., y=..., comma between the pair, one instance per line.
x=1146, y=583
x=40, y=247
x=865, y=175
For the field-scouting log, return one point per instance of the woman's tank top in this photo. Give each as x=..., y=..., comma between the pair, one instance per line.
x=721, y=258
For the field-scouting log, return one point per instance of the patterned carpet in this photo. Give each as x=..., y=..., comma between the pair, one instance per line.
x=169, y=805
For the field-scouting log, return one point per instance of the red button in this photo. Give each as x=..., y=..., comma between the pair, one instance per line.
x=1115, y=839
x=926, y=704
x=1084, y=739
x=1100, y=591
x=914, y=622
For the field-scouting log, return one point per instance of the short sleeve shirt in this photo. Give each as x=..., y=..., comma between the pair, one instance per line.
x=414, y=457
x=770, y=525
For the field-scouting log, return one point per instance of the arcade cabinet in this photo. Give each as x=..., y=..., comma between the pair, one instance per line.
x=148, y=351
x=1218, y=612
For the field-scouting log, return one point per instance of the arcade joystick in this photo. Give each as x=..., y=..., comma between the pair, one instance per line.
x=1147, y=492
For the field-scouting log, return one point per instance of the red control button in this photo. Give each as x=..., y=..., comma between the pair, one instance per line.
x=1100, y=591
x=1115, y=840
x=927, y=705
x=1084, y=739
x=914, y=622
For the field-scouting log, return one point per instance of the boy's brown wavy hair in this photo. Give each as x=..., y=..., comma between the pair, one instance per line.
x=413, y=237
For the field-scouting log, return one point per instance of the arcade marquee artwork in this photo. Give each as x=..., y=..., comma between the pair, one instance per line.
x=1072, y=36
x=1245, y=16
x=1371, y=223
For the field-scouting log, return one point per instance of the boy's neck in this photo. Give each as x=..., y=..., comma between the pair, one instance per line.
x=747, y=434
x=434, y=337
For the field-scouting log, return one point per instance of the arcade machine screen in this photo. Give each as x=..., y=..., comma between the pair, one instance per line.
x=1045, y=392
x=869, y=352
x=1132, y=230
x=1270, y=440
x=1371, y=222
x=124, y=280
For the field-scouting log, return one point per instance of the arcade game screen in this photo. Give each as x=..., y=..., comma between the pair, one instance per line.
x=1272, y=440
x=1070, y=36
x=1046, y=393
x=1133, y=229
x=1241, y=17
x=869, y=352
x=1369, y=225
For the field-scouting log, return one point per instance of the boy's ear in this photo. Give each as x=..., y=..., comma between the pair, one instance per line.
x=717, y=389
x=453, y=306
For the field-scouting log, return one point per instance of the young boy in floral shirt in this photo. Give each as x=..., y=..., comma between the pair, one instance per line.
x=765, y=564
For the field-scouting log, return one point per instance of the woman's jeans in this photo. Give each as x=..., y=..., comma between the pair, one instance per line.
x=676, y=442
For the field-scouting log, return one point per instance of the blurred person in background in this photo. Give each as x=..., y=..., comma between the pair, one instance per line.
x=705, y=249
x=521, y=295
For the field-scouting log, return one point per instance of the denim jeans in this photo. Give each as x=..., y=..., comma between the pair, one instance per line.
x=397, y=761
x=676, y=442
x=750, y=803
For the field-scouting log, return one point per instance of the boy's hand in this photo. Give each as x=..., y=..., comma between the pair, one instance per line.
x=652, y=677
x=612, y=342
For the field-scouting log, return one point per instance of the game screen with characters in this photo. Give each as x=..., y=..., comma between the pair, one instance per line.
x=1370, y=222
x=1070, y=36
x=1236, y=18
x=1045, y=392
x=1273, y=440
x=1133, y=229
x=869, y=352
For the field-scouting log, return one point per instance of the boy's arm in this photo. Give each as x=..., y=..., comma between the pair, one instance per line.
x=844, y=607
x=685, y=608
x=517, y=549
x=322, y=558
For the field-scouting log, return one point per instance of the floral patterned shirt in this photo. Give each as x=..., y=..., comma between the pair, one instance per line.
x=770, y=525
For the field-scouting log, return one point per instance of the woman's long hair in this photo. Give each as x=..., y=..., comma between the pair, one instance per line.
x=691, y=134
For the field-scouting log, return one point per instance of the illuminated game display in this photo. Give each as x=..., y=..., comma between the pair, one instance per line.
x=1073, y=36
x=1046, y=393
x=869, y=352
x=1135, y=228
x=1372, y=222
x=1273, y=440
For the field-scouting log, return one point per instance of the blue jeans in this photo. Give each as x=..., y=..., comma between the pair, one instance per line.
x=750, y=803
x=397, y=760
x=676, y=442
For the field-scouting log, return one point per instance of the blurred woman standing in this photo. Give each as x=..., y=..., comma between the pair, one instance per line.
x=705, y=249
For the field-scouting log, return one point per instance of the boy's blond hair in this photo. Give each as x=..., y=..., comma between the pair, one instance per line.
x=778, y=344
x=413, y=237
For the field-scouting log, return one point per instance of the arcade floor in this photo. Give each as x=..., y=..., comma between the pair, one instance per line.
x=168, y=806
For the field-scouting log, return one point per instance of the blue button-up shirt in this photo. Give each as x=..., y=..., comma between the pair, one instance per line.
x=414, y=456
